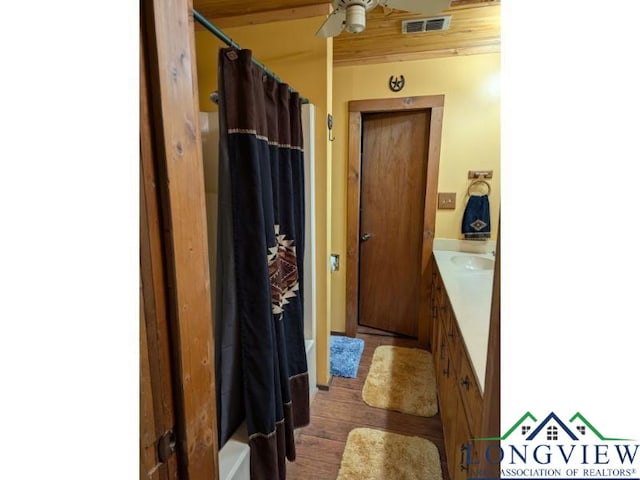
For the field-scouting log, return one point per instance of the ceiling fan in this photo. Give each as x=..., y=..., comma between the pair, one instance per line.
x=350, y=15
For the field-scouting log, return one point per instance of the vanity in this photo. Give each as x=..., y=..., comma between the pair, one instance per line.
x=461, y=306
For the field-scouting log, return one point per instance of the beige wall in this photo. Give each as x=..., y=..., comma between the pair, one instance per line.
x=291, y=50
x=470, y=137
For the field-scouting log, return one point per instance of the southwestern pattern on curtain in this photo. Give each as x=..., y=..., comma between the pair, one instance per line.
x=260, y=259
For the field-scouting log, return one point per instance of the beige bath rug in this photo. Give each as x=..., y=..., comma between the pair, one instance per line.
x=402, y=379
x=377, y=455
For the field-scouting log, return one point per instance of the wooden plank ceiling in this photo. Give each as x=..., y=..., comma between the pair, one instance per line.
x=475, y=28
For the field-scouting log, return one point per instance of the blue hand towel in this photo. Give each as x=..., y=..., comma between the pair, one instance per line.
x=476, y=222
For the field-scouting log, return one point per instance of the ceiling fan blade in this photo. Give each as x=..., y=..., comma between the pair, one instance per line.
x=333, y=25
x=426, y=7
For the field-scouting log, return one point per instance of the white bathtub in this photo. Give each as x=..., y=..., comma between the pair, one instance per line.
x=234, y=456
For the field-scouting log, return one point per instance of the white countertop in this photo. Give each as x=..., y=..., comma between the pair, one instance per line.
x=470, y=293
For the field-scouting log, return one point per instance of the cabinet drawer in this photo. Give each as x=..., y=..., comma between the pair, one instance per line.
x=452, y=337
x=470, y=395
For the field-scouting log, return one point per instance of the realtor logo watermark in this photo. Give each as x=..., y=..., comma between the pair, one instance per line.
x=553, y=448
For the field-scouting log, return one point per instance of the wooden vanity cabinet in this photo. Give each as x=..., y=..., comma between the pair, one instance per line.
x=459, y=398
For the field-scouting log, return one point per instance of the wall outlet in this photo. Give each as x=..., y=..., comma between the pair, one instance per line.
x=335, y=262
x=446, y=200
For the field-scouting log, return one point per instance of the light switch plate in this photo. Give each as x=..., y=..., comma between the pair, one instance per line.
x=446, y=200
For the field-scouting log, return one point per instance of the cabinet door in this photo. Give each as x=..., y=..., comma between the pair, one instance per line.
x=449, y=423
x=452, y=334
x=459, y=459
x=435, y=331
x=471, y=396
x=444, y=375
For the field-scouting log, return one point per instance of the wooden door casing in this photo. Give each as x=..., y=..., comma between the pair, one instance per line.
x=393, y=182
x=357, y=108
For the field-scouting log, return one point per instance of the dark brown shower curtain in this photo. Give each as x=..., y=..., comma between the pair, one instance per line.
x=261, y=363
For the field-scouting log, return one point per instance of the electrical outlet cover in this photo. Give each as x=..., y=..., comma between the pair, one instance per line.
x=335, y=262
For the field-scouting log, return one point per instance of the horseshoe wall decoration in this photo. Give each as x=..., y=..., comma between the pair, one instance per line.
x=396, y=84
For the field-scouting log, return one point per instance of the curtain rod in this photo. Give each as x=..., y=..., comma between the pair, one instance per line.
x=221, y=35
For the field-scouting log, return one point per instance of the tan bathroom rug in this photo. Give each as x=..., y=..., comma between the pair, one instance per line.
x=378, y=455
x=402, y=379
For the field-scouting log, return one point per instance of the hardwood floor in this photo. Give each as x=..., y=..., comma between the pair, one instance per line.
x=335, y=413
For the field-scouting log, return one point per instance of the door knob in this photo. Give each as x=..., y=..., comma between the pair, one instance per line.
x=365, y=236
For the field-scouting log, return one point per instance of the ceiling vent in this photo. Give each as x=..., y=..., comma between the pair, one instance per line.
x=426, y=24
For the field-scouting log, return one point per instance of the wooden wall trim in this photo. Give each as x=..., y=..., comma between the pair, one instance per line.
x=257, y=18
x=491, y=47
x=170, y=50
x=353, y=221
x=425, y=326
x=394, y=104
x=457, y=4
x=434, y=103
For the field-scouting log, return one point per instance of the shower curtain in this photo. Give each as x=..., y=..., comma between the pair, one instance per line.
x=261, y=364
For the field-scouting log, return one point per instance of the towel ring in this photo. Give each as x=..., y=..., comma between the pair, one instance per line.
x=477, y=182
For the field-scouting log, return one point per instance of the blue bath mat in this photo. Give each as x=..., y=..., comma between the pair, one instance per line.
x=345, y=356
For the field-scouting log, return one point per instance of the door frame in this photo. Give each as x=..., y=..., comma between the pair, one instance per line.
x=434, y=103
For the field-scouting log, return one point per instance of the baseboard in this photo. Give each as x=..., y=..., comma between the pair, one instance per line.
x=325, y=388
x=381, y=333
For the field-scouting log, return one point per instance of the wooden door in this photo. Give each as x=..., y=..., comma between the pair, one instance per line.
x=157, y=410
x=177, y=302
x=157, y=416
x=358, y=109
x=393, y=183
